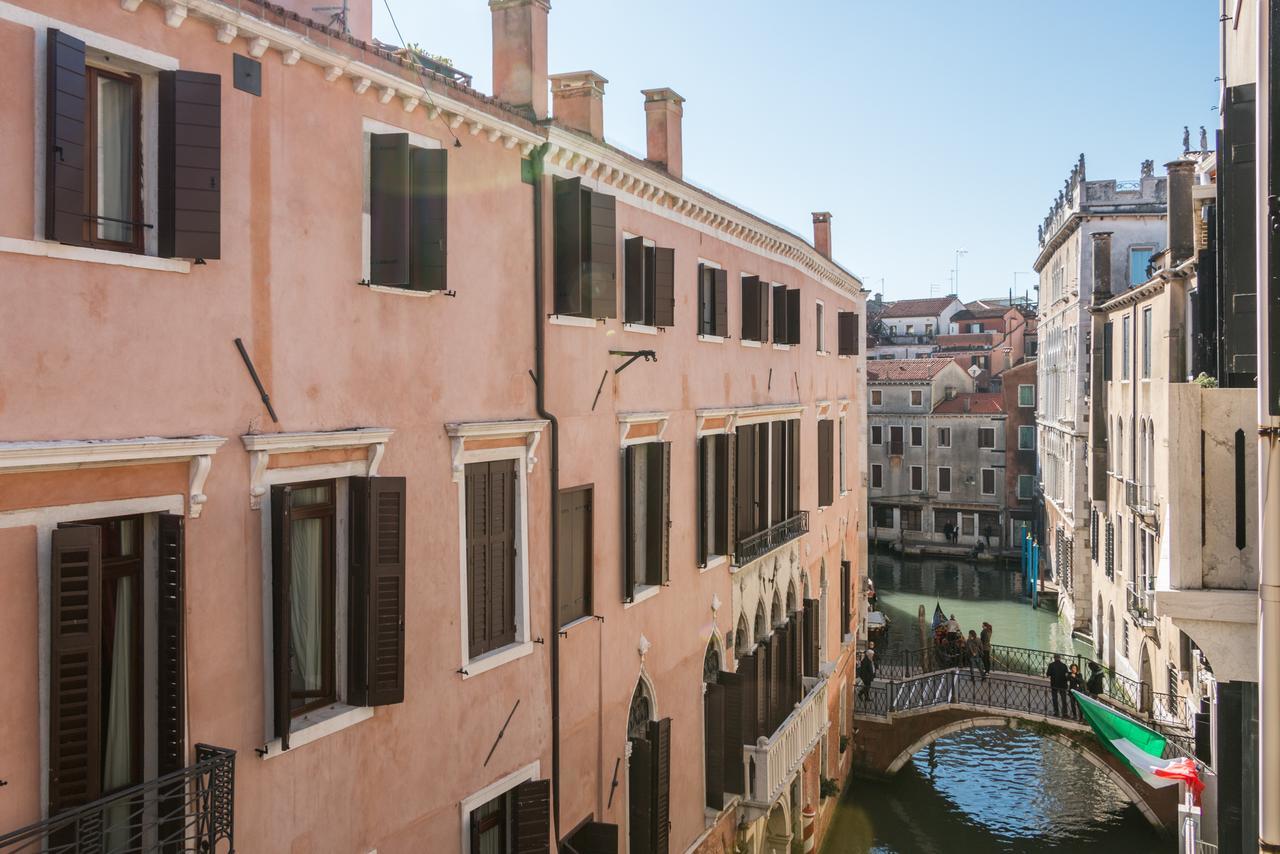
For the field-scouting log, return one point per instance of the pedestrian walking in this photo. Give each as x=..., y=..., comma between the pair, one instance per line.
x=866, y=674
x=973, y=652
x=1057, y=673
x=1074, y=683
x=1097, y=680
x=985, y=640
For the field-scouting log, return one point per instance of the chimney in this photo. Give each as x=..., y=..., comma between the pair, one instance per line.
x=663, y=111
x=520, y=54
x=1101, y=267
x=822, y=233
x=578, y=101
x=1182, y=229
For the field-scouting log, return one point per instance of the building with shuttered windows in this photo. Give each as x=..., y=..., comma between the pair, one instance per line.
x=546, y=533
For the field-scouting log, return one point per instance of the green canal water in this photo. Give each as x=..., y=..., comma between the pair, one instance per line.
x=984, y=790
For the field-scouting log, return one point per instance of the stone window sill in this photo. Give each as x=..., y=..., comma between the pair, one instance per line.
x=91, y=255
x=574, y=320
x=496, y=658
x=317, y=724
x=643, y=592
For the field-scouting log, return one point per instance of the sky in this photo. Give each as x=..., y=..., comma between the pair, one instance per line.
x=923, y=127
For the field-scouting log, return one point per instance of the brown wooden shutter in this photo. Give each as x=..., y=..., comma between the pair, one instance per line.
x=713, y=715
x=762, y=294
x=377, y=591
x=793, y=467
x=660, y=736
x=477, y=517
x=664, y=511
x=281, y=574
x=664, y=288
x=780, y=321
x=846, y=596
x=533, y=817
x=633, y=280
x=75, y=669
x=845, y=333
x=604, y=256
x=777, y=477
x=720, y=296
x=640, y=794
x=429, y=219
x=793, y=316
x=568, y=226
x=857, y=334
x=825, y=442
x=751, y=308
x=705, y=456
x=797, y=656
x=65, y=205
x=573, y=564
x=171, y=744
x=732, y=730
x=502, y=544
x=723, y=469
x=594, y=837
x=190, y=165
x=389, y=214
x=762, y=476
x=632, y=458
x=812, y=633
x=749, y=675
x=705, y=307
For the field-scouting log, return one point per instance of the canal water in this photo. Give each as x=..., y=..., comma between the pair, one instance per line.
x=983, y=790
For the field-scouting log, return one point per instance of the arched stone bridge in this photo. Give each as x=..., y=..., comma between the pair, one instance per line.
x=898, y=718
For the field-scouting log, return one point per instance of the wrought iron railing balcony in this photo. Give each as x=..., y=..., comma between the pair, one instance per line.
x=1141, y=604
x=191, y=810
x=759, y=544
x=771, y=762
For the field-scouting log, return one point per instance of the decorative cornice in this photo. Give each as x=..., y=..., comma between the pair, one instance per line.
x=530, y=430
x=262, y=445
x=768, y=412
x=95, y=453
x=627, y=419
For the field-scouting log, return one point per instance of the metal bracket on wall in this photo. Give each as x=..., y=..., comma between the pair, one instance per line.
x=501, y=732
x=647, y=355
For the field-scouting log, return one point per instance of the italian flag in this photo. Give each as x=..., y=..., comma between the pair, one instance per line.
x=1139, y=747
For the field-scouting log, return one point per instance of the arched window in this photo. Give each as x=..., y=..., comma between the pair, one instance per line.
x=1119, y=466
x=779, y=616
x=641, y=711
x=762, y=624
x=741, y=637
x=791, y=598
x=711, y=661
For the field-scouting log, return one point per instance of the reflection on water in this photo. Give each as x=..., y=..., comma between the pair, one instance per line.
x=983, y=790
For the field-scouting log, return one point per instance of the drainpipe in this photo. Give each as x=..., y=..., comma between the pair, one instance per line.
x=1268, y=473
x=540, y=359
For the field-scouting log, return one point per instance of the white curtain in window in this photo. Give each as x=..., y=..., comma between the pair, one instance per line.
x=115, y=157
x=305, y=603
x=117, y=761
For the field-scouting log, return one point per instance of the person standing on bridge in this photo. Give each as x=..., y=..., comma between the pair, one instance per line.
x=1075, y=683
x=985, y=639
x=866, y=674
x=973, y=652
x=1057, y=673
x=1097, y=680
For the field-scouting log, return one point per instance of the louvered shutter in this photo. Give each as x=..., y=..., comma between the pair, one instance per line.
x=751, y=308
x=594, y=837
x=190, y=165
x=713, y=759
x=825, y=491
x=706, y=309
x=75, y=669
x=377, y=590
x=793, y=316
x=793, y=467
x=777, y=466
x=846, y=594
x=811, y=634
x=533, y=817
x=604, y=256
x=477, y=520
x=633, y=279
x=1106, y=350
x=777, y=657
x=640, y=795
x=724, y=494
x=762, y=295
x=632, y=459
x=660, y=736
x=744, y=479
x=664, y=288
x=857, y=334
x=748, y=676
x=720, y=284
x=664, y=512
x=502, y=593
x=845, y=333
x=705, y=461
x=780, y=320
x=731, y=731
x=797, y=655
x=568, y=228
x=429, y=219
x=65, y=205
x=1236, y=211
x=171, y=744
x=389, y=209
x=573, y=565
x=281, y=575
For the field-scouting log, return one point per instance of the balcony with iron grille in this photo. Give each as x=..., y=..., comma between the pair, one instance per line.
x=1142, y=605
x=191, y=809
x=772, y=762
x=755, y=546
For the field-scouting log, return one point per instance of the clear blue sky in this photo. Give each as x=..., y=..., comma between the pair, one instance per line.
x=923, y=127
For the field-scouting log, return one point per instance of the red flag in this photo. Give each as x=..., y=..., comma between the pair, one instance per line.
x=1183, y=770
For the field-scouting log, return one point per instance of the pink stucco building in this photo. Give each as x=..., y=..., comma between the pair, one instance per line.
x=543, y=523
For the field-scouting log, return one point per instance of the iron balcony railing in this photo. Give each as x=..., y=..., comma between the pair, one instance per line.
x=757, y=545
x=191, y=810
x=1141, y=604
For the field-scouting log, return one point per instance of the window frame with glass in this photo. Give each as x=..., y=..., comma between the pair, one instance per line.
x=944, y=479
x=982, y=481
x=944, y=437
x=1024, y=444
x=917, y=397
x=1026, y=395
x=128, y=199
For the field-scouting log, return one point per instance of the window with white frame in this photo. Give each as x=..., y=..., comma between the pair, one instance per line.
x=1026, y=396
x=876, y=397
x=944, y=478
x=944, y=437
x=917, y=478
x=917, y=397
x=917, y=437
x=844, y=483
x=988, y=481
x=821, y=326
x=405, y=219
x=877, y=433
x=877, y=476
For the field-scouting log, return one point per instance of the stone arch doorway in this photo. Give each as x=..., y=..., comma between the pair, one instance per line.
x=648, y=754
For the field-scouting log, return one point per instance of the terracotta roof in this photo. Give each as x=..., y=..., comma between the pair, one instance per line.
x=918, y=307
x=904, y=370
x=979, y=403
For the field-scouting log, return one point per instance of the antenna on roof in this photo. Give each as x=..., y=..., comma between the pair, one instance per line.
x=934, y=288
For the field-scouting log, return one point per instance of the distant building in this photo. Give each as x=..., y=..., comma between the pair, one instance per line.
x=908, y=329
x=1133, y=213
x=1018, y=391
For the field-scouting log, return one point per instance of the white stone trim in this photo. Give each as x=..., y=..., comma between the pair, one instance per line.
x=747, y=342
x=317, y=724
x=574, y=320
x=643, y=593
x=703, y=415
x=769, y=412
x=61, y=454
x=262, y=445
x=529, y=429
x=626, y=419
x=712, y=339
x=488, y=793
x=90, y=255
x=641, y=328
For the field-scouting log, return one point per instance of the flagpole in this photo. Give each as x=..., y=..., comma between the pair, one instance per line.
x=1268, y=472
